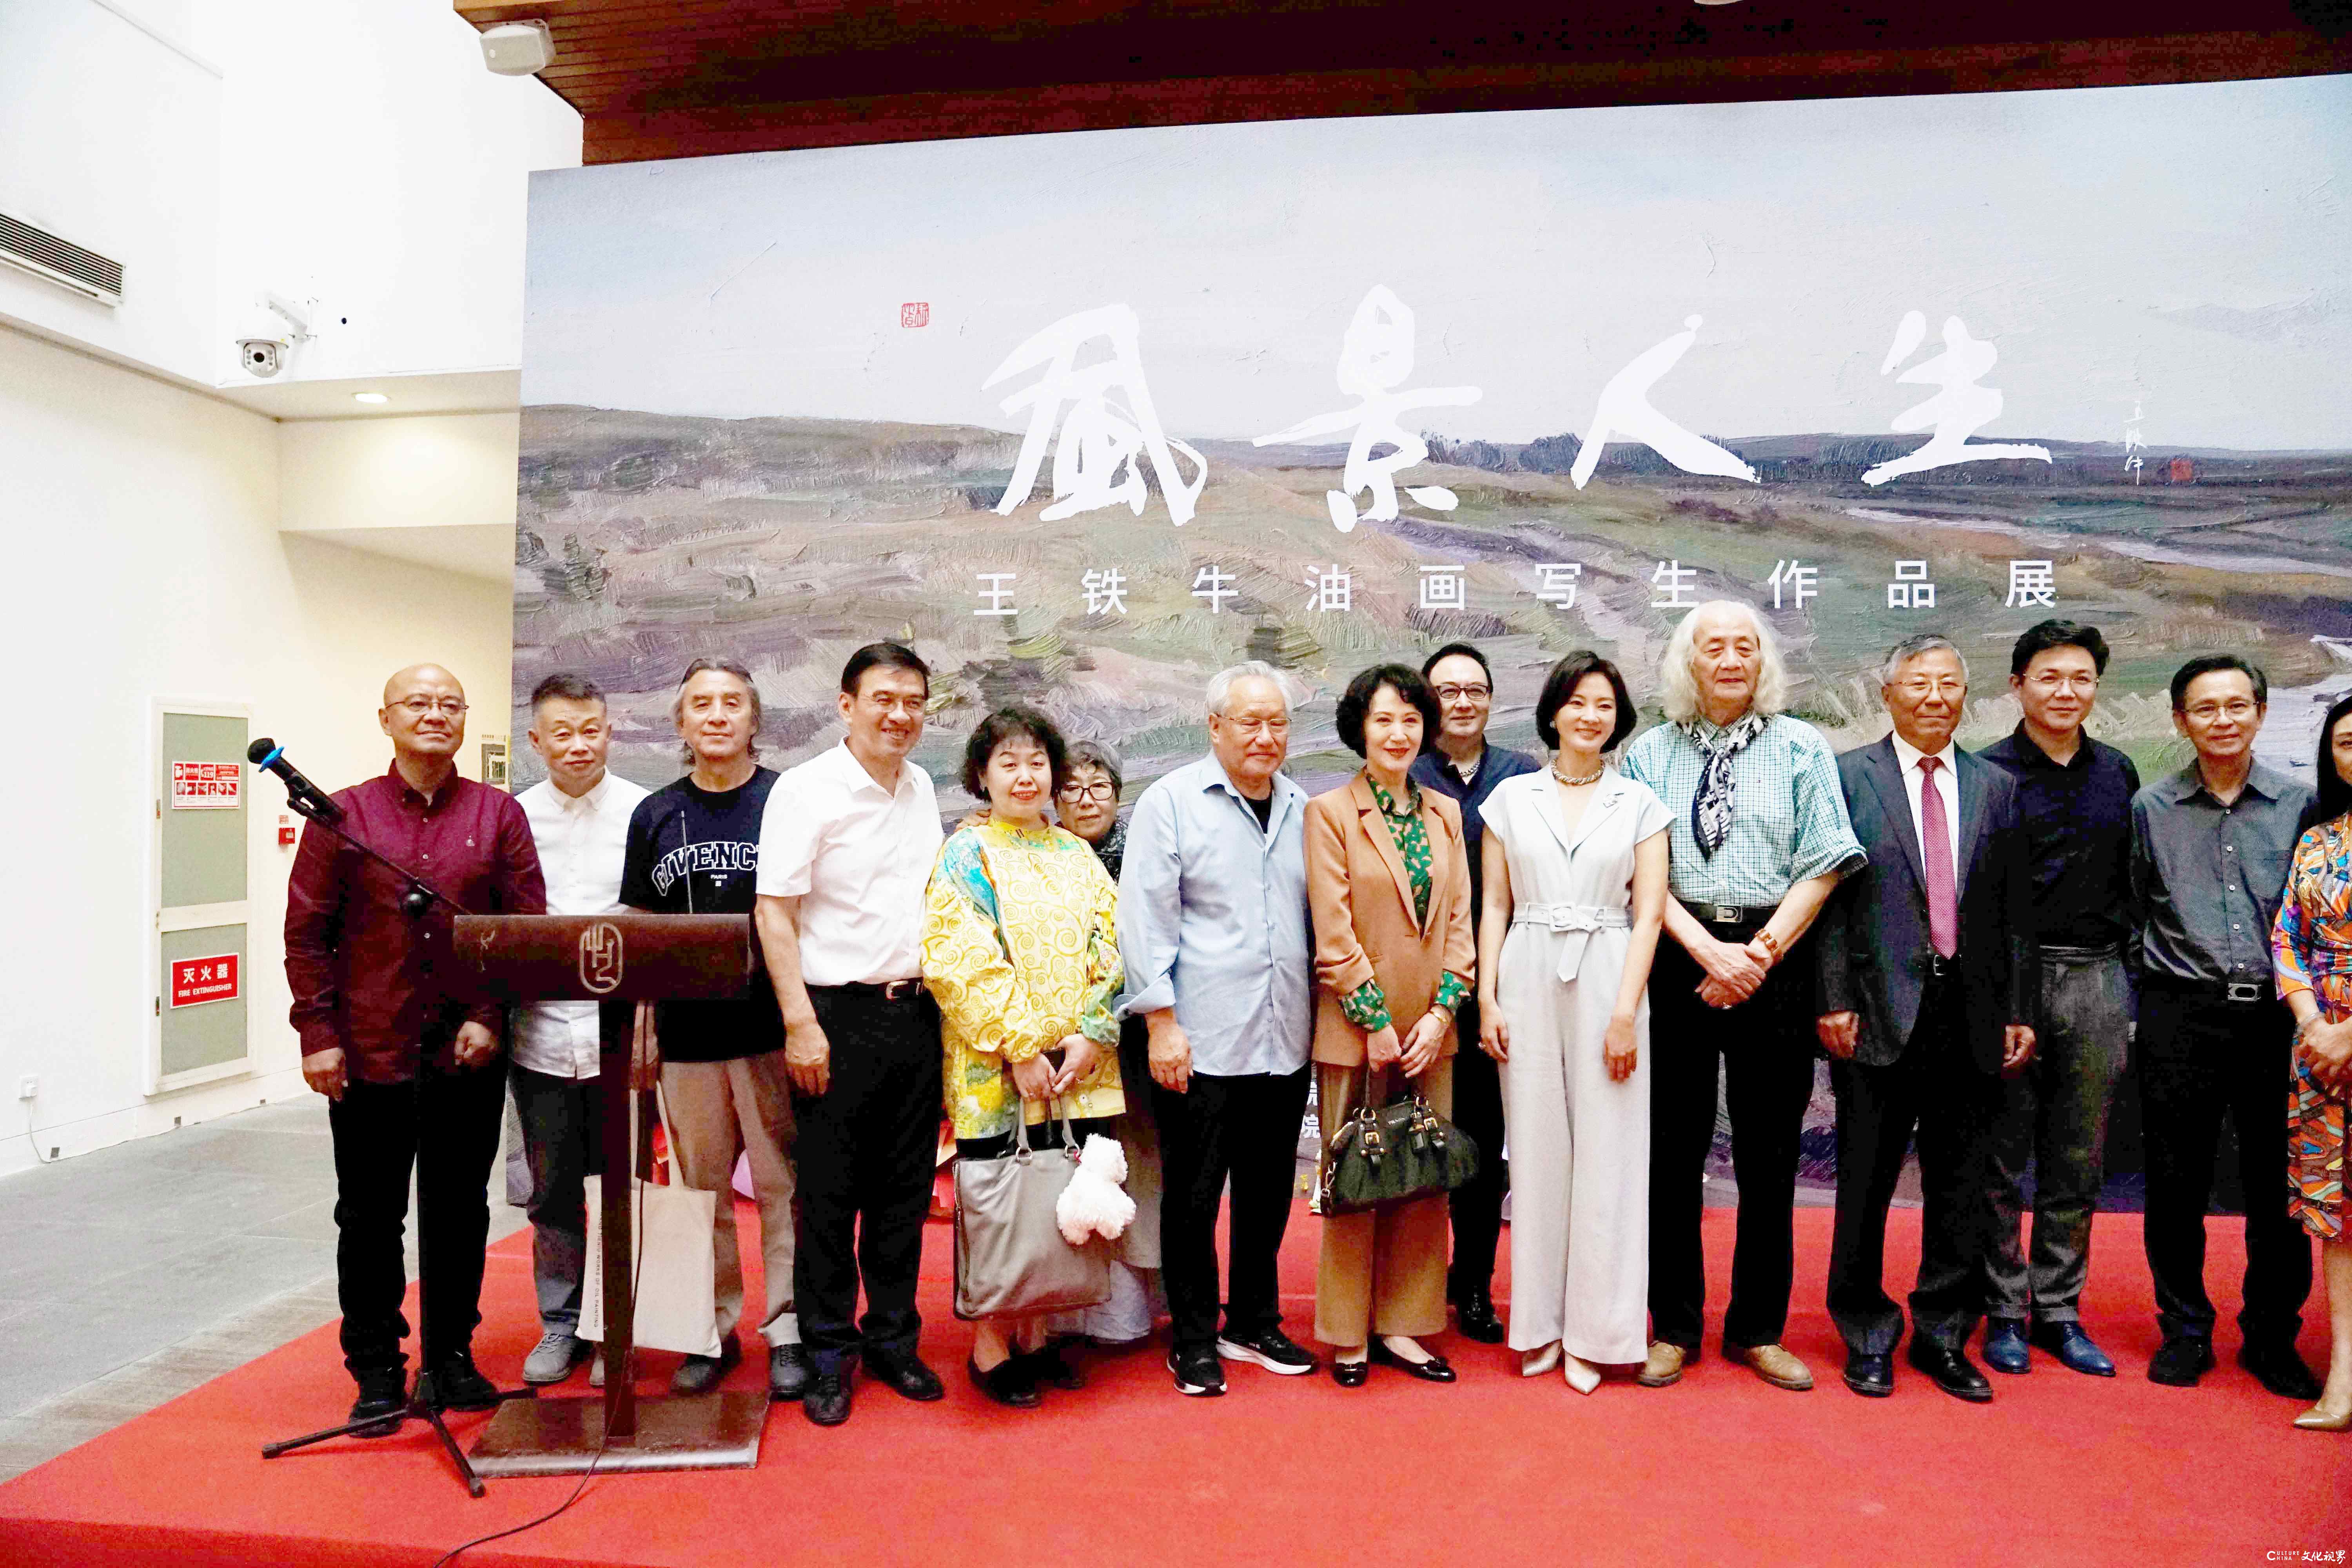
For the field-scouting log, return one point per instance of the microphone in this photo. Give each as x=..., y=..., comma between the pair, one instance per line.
x=300, y=793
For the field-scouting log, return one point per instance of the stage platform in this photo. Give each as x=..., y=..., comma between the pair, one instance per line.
x=1721, y=1469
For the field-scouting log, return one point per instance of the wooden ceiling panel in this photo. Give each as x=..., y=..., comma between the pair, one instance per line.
x=694, y=76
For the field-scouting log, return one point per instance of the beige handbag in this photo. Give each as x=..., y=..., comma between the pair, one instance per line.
x=676, y=1307
x=1009, y=1257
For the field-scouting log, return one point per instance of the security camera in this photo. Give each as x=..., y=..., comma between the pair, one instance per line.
x=262, y=357
x=517, y=48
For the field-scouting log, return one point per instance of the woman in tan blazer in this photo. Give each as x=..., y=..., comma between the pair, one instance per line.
x=1390, y=887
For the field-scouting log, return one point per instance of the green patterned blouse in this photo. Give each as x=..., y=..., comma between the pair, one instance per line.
x=1366, y=1006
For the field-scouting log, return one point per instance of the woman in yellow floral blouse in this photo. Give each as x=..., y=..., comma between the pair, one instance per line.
x=1021, y=949
x=2313, y=951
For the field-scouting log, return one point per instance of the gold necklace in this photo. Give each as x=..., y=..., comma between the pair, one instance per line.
x=1577, y=784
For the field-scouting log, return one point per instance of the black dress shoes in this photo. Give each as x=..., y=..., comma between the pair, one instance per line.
x=1871, y=1376
x=2183, y=1359
x=788, y=1372
x=827, y=1403
x=1433, y=1370
x=2005, y=1349
x=1007, y=1382
x=1045, y=1367
x=2280, y=1369
x=2076, y=1350
x=1350, y=1374
x=383, y=1396
x=906, y=1376
x=1950, y=1368
x=458, y=1384
x=702, y=1374
x=1474, y=1312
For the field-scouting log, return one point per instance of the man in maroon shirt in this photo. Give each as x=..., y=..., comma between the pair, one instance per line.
x=408, y=1070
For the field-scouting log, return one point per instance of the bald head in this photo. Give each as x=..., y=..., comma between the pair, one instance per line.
x=423, y=714
x=422, y=678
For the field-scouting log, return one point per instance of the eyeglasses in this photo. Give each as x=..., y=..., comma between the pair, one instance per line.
x=418, y=707
x=1100, y=790
x=2086, y=684
x=2240, y=709
x=1456, y=693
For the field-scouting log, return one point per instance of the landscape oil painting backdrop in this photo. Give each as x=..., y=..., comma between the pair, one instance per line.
x=1087, y=417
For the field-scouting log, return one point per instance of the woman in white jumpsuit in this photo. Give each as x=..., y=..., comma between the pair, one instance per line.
x=1575, y=880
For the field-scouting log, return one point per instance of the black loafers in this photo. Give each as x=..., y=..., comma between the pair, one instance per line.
x=906, y=1376
x=1007, y=1382
x=1046, y=1368
x=1950, y=1368
x=1474, y=1314
x=1871, y=1376
x=2280, y=1369
x=1350, y=1374
x=2182, y=1360
x=1433, y=1370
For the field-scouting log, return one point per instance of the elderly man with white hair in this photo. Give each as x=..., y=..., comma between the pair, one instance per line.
x=1760, y=839
x=1214, y=929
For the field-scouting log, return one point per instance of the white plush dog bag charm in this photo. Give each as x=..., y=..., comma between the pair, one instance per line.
x=1095, y=1203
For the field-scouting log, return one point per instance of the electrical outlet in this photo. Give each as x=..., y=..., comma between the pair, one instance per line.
x=27, y=1087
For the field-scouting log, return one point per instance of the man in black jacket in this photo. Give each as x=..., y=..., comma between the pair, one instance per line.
x=1927, y=982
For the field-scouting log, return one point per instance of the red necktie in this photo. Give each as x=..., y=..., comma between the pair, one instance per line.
x=1936, y=854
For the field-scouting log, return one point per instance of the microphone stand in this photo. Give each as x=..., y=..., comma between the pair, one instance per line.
x=423, y=1400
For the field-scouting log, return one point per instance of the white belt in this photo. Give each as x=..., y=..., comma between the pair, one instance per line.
x=1575, y=922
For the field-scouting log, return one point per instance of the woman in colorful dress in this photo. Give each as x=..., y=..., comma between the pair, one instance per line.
x=1021, y=949
x=1389, y=883
x=2313, y=949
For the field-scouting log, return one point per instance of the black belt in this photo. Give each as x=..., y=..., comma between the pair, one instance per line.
x=884, y=990
x=2241, y=993
x=2080, y=953
x=1730, y=914
x=1941, y=968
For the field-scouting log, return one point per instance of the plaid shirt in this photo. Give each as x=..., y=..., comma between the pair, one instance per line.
x=1789, y=825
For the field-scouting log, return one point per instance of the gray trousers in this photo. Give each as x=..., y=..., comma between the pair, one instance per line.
x=2053, y=1117
x=558, y=1118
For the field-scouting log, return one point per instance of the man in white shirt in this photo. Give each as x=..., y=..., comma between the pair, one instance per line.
x=579, y=821
x=845, y=850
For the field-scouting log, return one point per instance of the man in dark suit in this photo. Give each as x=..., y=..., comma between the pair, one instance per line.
x=1927, y=983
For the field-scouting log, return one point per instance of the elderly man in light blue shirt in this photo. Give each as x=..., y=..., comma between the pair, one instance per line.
x=1214, y=924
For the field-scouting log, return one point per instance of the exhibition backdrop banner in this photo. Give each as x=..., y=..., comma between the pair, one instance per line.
x=1086, y=418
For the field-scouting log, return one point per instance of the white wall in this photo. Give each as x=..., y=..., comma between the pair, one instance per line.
x=353, y=150
x=148, y=561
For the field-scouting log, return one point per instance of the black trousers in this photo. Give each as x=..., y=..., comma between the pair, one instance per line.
x=2200, y=1060
x=445, y=1128
x=1243, y=1130
x=1936, y=1088
x=865, y=1151
x=1477, y=1205
x=1765, y=1046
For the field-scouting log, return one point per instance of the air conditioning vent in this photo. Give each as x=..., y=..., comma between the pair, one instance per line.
x=60, y=260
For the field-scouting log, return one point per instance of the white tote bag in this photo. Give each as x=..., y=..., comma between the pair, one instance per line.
x=670, y=1225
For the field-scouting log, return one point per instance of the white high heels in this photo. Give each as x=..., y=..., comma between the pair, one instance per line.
x=1535, y=1364
x=1582, y=1375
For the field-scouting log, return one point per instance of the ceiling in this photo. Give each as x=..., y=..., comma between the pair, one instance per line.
x=443, y=392
x=674, y=78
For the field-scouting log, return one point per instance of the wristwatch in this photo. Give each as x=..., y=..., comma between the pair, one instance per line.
x=1771, y=945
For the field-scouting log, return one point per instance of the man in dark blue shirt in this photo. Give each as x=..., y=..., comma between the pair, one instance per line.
x=1460, y=766
x=2074, y=796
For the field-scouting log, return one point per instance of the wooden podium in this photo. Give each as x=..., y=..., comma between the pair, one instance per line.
x=619, y=960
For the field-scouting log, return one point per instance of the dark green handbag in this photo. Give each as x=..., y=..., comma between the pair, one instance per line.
x=1393, y=1153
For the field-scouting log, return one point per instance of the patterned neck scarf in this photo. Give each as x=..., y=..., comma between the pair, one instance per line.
x=1714, y=806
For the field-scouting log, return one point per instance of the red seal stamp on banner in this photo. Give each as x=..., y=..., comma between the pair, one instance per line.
x=915, y=313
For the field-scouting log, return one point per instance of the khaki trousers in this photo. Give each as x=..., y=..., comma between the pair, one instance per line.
x=1382, y=1272
x=721, y=1109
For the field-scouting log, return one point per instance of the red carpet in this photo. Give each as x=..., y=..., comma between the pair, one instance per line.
x=2059, y=1469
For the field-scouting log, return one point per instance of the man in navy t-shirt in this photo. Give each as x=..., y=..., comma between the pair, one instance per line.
x=694, y=848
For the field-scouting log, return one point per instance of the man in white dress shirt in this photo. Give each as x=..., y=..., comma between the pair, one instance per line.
x=846, y=852
x=579, y=821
